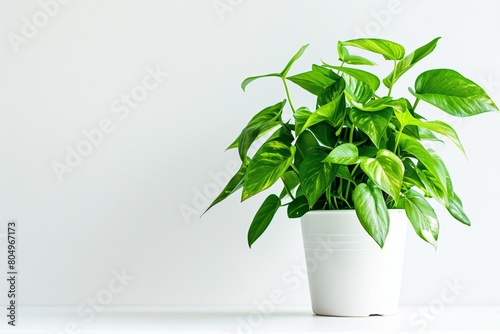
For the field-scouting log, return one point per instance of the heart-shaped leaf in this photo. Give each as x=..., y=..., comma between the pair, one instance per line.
x=372, y=211
x=316, y=175
x=357, y=92
x=453, y=93
x=386, y=170
x=372, y=123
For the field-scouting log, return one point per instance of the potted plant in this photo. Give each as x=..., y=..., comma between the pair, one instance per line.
x=355, y=168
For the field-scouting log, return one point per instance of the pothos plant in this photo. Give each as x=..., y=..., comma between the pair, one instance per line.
x=358, y=148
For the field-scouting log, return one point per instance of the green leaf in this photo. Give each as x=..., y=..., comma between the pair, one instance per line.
x=386, y=171
x=347, y=58
x=407, y=62
x=233, y=185
x=415, y=148
x=422, y=217
x=248, y=80
x=375, y=104
x=325, y=134
x=304, y=143
x=262, y=218
x=447, y=185
x=411, y=177
x=269, y=163
x=433, y=185
x=451, y=92
x=265, y=129
x=399, y=105
x=358, y=60
x=342, y=51
x=372, y=123
x=452, y=202
x=426, y=134
x=301, y=116
x=258, y=125
x=298, y=207
x=315, y=81
x=332, y=113
x=345, y=154
x=331, y=103
x=455, y=208
x=299, y=53
x=443, y=129
x=357, y=92
x=437, y=126
x=282, y=74
x=388, y=49
x=315, y=175
x=283, y=134
x=368, y=78
x=330, y=93
x=372, y=211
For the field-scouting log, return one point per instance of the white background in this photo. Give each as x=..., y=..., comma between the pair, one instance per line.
x=121, y=207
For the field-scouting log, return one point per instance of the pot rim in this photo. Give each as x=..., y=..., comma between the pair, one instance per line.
x=320, y=212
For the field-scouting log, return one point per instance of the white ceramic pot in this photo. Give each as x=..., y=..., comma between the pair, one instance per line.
x=349, y=275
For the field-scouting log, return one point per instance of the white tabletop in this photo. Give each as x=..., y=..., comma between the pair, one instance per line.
x=42, y=320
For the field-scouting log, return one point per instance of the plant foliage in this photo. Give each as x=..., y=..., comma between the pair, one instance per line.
x=357, y=149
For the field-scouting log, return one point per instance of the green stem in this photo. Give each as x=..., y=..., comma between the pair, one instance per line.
x=393, y=78
x=295, y=169
x=338, y=71
x=288, y=191
x=351, y=135
x=397, y=139
x=415, y=104
x=354, y=169
x=335, y=200
x=288, y=94
x=284, y=125
x=329, y=196
x=347, y=193
x=346, y=202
